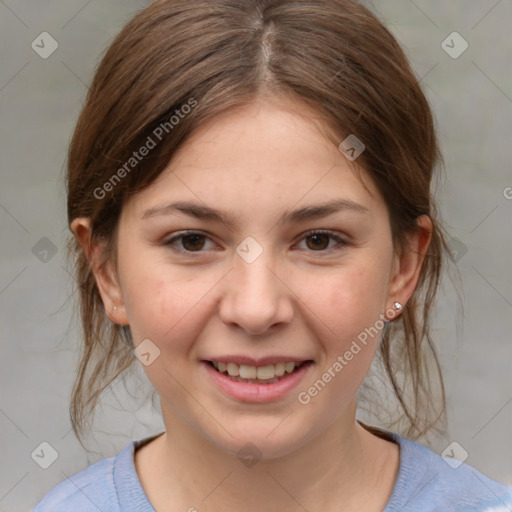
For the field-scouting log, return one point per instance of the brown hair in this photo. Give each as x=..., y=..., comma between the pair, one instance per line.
x=336, y=56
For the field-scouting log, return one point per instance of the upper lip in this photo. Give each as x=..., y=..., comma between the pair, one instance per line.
x=262, y=361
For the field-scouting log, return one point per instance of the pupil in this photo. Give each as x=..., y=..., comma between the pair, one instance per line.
x=193, y=245
x=317, y=237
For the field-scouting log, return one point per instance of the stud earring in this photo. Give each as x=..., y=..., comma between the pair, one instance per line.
x=397, y=306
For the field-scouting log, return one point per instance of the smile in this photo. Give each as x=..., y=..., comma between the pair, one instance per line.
x=276, y=381
x=258, y=374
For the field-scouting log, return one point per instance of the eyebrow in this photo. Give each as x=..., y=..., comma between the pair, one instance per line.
x=310, y=212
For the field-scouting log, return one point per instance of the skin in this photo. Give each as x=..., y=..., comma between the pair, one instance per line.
x=304, y=297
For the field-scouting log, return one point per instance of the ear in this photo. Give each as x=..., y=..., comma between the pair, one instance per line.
x=408, y=262
x=104, y=274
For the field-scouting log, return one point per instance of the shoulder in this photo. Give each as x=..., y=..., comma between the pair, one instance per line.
x=91, y=489
x=429, y=482
x=110, y=485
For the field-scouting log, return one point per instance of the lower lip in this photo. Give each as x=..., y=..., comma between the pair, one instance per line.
x=249, y=392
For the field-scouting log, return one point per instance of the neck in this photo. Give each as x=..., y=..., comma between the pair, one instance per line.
x=343, y=464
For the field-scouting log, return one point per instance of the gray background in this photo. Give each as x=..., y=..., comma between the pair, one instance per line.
x=39, y=102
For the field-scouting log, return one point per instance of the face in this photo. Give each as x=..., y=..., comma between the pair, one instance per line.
x=261, y=283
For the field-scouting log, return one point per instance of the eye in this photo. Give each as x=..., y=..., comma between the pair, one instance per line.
x=194, y=241
x=320, y=240
x=191, y=241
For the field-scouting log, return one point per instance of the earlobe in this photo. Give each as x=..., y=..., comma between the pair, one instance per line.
x=104, y=274
x=409, y=262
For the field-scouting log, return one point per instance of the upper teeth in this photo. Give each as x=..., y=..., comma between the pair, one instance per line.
x=246, y=371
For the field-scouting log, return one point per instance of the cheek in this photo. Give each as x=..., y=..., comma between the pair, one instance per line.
x=348, y=308
x=349, y=300
x=165, y=309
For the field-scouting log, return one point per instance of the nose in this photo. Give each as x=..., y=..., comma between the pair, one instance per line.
x=256, y=298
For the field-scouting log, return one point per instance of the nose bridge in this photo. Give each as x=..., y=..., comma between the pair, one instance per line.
x=256, y=298
x=258, y=276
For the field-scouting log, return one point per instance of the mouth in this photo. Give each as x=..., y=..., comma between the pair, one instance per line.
x=267, y=374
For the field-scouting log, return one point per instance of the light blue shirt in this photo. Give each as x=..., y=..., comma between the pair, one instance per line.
x=425, y=483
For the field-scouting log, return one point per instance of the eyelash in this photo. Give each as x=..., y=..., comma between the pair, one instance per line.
x=341, y=243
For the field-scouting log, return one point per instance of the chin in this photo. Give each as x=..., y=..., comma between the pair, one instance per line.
x=265, y=440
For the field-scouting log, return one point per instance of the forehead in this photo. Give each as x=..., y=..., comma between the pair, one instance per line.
x=264, y=156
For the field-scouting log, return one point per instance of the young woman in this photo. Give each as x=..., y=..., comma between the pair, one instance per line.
x=249, y=196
